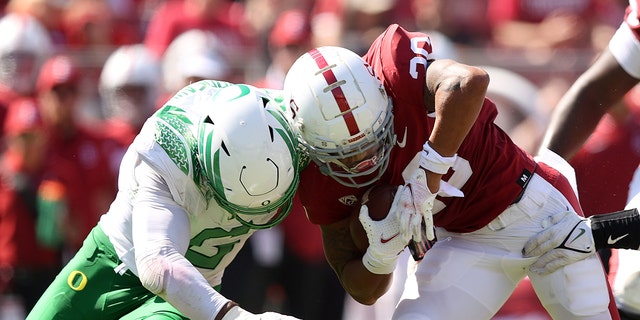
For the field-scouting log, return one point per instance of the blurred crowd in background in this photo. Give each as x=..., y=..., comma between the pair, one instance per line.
x=79, y=77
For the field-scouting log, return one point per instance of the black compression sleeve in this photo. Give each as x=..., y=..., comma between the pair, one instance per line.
x=619, y=230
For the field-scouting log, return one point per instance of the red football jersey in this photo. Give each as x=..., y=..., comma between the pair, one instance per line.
x=489, y=168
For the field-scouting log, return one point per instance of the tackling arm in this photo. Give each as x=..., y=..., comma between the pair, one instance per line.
x=161, y=235
x=564, y=241
x=160, y=230
x=346, y=260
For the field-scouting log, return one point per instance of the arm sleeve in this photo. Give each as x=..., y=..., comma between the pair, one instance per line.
x=617, y=230
x=161, y=235
x=625, y=47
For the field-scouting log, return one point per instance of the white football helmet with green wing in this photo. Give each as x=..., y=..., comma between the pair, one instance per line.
x=248, y=152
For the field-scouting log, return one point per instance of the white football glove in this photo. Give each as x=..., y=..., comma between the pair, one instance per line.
x=385, y=240
x=416, y=205
x=566, y=239
x=237, y=313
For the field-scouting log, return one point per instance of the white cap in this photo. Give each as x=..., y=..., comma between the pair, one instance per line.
x=194, y=53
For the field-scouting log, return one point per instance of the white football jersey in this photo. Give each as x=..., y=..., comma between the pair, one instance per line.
x=166, y=151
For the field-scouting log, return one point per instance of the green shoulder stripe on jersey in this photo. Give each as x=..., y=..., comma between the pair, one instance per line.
x=174, y=135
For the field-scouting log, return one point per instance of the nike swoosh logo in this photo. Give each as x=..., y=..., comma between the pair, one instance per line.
x=403, y=143
x=385, y=240
x=612, y=241
x=582, y=231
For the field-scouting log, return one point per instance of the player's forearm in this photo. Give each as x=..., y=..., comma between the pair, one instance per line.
x=176, y=280
x=617, y=230
x=346, y=260
x=458, y=100
x=162, y=268
x=364, y=286
x=581, y=108
x=573, y=120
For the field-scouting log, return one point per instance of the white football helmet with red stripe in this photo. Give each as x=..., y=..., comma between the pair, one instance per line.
x=25, y=46
x=343, y=113
x=129, y=84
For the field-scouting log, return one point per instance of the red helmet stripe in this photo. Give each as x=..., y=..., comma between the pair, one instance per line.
x=337, y=93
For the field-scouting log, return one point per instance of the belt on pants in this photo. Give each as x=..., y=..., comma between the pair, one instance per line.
x=527, y=175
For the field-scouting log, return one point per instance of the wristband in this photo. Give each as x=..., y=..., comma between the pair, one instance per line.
x=431, y=160
x=616, y=230
x=378, y=266
x=227, y=307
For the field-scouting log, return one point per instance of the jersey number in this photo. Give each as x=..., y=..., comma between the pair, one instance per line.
x=461, y=174
x=203, y=254
x=420, y=61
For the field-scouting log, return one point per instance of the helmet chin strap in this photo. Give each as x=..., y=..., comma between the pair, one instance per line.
x=282, y=213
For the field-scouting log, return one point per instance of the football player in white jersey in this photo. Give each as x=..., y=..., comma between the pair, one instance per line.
x=215, y=163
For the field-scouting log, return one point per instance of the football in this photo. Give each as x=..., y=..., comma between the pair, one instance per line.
x=378, y=200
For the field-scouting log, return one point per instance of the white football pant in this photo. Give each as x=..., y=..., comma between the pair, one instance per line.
x=471, y=275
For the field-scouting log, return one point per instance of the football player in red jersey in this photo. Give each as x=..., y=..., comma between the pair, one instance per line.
x=398, y=116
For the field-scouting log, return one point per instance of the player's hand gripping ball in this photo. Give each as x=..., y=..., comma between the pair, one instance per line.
x=378, y=199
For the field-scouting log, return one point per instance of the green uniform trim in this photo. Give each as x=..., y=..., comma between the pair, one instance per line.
x=89, y=288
